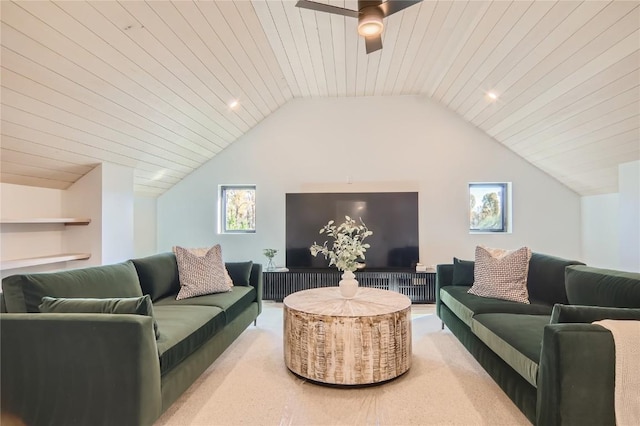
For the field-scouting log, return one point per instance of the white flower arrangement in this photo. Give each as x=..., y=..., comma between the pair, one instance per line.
x=348, y=246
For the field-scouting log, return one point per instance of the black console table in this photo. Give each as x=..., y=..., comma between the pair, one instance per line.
x=420, y=287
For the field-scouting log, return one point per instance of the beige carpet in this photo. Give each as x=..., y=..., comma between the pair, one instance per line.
x=250, y=385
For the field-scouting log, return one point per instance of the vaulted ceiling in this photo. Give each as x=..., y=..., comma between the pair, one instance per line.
x=148, y=84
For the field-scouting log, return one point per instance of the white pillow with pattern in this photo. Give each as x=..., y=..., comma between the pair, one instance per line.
x=501, y=274
x=202, y=252
x=200, y=275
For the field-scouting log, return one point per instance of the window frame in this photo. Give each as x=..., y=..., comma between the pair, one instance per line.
x=505, y=207
x=222, y=208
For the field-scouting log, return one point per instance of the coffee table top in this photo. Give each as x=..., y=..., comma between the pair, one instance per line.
x=328, y=301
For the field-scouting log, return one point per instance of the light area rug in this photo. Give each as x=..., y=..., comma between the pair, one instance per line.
x=249, y=384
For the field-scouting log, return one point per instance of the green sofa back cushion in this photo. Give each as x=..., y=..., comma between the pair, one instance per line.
x=545, y=281
x=463, y=272
x=23, y=293
x=158, y=275
x=589, y=314
x=125, y=305
x=240, y=272
x=602, y=287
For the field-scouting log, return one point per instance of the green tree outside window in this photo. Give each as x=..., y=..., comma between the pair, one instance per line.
x=238, y=208
x=487, y=209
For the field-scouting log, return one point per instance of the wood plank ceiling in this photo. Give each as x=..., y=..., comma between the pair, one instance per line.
x=148, y=84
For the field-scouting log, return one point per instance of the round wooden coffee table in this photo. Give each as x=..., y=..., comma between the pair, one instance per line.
x=357, y=341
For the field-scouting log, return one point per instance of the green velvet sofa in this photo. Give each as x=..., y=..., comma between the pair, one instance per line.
x=555, y=365
x=110, y=369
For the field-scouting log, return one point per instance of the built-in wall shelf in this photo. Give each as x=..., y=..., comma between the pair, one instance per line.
x=32, y=224
x=42, y=260
x=37, y=220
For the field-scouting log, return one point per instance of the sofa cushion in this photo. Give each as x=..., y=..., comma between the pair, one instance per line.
x=462, y=272
x=515, y=338
x=23, y=293
x=200, y=275
x=501, y=274
x=602, y=287
x=158, y=275
x=232, y=302
x=183, y=329
x=125, y=305
x=545, y=281
x=466, y=305
x=240, y=272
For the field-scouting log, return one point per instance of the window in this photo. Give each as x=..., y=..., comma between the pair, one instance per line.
x=489, y=208
x=237, y=209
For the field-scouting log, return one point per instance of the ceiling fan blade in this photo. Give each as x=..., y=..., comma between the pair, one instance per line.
x=373, y=43
x=362, y=4
x=321, y=7
x=390, y=7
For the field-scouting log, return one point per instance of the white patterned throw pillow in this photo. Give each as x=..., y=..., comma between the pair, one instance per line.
x=200, y=275
x=201, y=252
x=501, y=274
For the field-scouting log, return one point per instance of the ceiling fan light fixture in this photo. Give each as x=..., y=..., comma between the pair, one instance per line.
x=370, y=15
x=370, y=22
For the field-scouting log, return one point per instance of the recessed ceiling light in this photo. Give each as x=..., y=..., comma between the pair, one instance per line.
x=159, y=174
x=492, y=96
x=234, y=104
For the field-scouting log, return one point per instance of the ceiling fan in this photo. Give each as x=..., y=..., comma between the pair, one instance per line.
x=369, y=14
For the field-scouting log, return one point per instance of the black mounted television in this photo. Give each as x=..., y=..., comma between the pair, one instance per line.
x=392, y=216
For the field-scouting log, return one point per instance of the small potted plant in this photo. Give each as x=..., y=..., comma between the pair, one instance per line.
x=346, y=252
x=270, y=254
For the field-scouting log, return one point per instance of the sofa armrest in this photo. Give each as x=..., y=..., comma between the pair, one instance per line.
x=576, y=376
x=256, y=281
x=444, y=277
x=79, y=369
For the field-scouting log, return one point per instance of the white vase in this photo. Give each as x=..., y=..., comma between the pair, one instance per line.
x=348, y=285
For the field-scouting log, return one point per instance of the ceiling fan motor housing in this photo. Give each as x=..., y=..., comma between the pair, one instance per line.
x=370, y=21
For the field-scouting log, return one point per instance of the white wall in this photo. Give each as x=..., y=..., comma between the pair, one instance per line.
x=376, y=142
x=18, y=201
x=84, y=199
x=145, y=231
x=600, y=236
x=117, y=213
x=611, y=224
x=106, y=196
x=629, y=202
